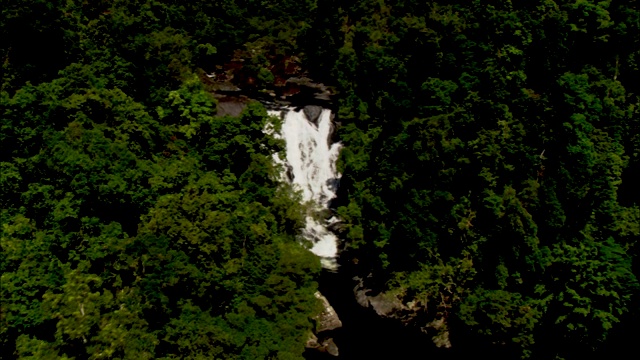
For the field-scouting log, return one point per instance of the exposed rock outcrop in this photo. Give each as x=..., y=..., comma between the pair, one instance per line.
x=327, y=321
x=312, y=113
x=320, y=90
x=327, y=345
x=232, y=106
x=391, y=305
x=290, y=86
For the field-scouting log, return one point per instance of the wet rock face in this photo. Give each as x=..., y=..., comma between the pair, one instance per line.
x=312, y=112
x=289, y=173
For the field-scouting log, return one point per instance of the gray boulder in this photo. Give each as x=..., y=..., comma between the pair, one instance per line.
x=328, y=319
x=312, y=112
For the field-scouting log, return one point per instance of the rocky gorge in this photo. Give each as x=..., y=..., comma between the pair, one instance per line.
x=354, y=312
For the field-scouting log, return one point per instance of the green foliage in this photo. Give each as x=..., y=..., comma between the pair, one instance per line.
x=487, y=151
x=489, y=170
x=135, y=223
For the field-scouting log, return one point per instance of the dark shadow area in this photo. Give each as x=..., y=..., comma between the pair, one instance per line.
x=628, y=194
x=365, y=335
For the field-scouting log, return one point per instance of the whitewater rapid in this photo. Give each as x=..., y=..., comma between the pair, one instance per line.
x=311, y=163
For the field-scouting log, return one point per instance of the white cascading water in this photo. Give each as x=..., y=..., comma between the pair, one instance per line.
x=312, y=164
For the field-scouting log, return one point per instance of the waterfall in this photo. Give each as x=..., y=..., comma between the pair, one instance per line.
x=311, y=168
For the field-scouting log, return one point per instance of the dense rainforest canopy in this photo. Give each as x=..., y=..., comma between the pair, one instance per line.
x=492, y=154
